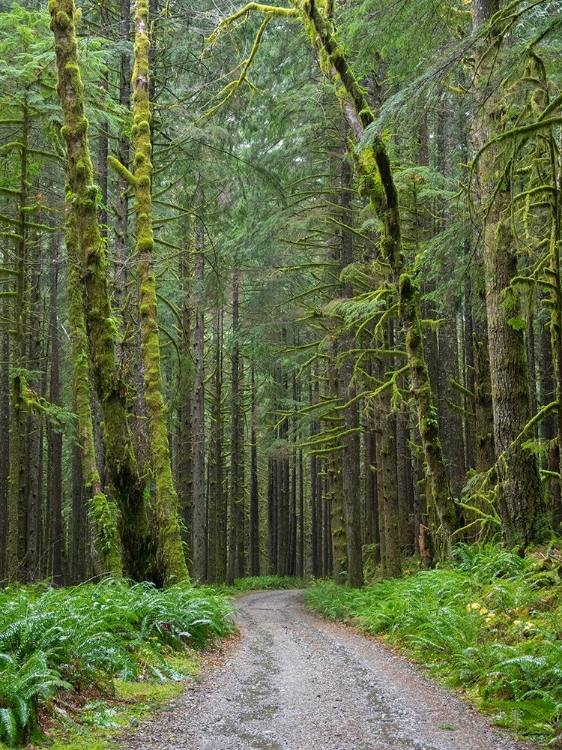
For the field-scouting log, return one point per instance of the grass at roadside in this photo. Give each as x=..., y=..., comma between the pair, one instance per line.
x=99, y=722
x=490, y=625
x=267, y=583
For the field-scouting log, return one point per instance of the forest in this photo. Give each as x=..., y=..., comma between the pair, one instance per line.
x=280, y=301
x=280, y=286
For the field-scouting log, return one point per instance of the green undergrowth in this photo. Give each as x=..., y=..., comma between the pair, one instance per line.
x=87, y=643
x=102, y=719
x=490, y=626
x=266, y=583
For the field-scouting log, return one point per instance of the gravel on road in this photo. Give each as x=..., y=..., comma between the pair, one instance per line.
x=296, y=682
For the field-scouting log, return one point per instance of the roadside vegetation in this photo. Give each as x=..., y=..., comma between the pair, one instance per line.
x=266, y=583
x=64, y=652
x=490, y=626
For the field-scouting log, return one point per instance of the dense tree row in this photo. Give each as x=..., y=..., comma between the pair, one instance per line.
x=283, y=294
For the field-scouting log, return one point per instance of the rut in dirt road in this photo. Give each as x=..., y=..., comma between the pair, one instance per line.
x=299, y=683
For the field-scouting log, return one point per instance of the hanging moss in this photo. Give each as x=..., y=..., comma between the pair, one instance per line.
x=377, y=185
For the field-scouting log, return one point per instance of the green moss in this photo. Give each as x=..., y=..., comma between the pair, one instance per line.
x=121, y=170
x=132, y=701
x=169, y=553
x=63, y=19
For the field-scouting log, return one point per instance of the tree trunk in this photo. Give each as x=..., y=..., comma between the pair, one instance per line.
x=54, y=541
x=217, y=499
x=520, y=498
x=387, y=482
x=16, y=542
x=184, y=439
x=334, y=482
x=198, y=494
x=347, y=394
x=254, y=488
x=170, y=562
x=101, y=509
x=236, y=563
x=34, y=438
x=371, y=536
x=5, y=424
x=99, y=326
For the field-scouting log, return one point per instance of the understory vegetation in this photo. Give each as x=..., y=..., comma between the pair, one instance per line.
x=490, y=625
x=91, y=641
x=265, y=583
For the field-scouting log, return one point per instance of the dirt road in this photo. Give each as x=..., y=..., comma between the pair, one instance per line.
x=296, y=682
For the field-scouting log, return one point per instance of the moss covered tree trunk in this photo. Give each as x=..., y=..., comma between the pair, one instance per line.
x=54, y=528
x=18, y=458
x=170, y=561
x=4, y=430
x=387, y=475
x=99, y=328
x=520, y=498
x=217, y=500
x=347, y=393
x=334, y=495
x=102, y=511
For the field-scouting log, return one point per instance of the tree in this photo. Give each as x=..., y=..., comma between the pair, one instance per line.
x=520, y=495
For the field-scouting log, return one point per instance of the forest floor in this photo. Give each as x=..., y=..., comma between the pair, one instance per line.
x=296, y=682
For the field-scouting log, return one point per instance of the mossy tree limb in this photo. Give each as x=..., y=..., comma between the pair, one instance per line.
x=377, y=185
x=170, y=559
x=82, y=197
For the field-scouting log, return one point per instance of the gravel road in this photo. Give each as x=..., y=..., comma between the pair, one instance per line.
x=296, y=682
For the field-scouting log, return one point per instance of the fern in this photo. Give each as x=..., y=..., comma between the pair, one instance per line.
x=88, y=635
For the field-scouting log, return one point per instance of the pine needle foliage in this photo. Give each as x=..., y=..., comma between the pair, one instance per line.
x=91, y=634
x=490, y=625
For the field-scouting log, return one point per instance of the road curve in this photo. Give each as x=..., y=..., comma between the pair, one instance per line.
x=296, y=682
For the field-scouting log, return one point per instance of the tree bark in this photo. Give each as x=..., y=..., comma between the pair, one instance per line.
x=217, y=499
x=236, y=546
x=254, y=487
x=54, y=542
x=347, y=395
